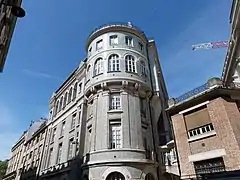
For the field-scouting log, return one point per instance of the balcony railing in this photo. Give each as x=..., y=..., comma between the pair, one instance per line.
x=210, y=170
x=129, y=25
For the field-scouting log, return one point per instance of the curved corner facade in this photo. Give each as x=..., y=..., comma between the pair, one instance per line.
x=119, y=135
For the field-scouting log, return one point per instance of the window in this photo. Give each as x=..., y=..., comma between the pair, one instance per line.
x=88, y=72
x=30, y=155
x=198, y=121
x=59, y=153
x=62, y=129
x=113, y=40
x=115, y=102
x=77, y=144
x=209, y=166
x=65, y=99
x=115, y=134
x=53, y=134
x=75, y=91
x=89, y=130
x=57, y=107
x=140, y=46
x=145, y=143
x=130, y=63
x=80, y=87
x=50, y=157
x=35, y=152
x=70, y=95
x=74, y=117
x=115, y=176
x=61, y=104
x=99, y=44
x=114, y=63
x=70, y=149
x=143, y=71
x=90, y=51
x=98, y=67
x=40, y=150
x=149, y=177
x=129, y=41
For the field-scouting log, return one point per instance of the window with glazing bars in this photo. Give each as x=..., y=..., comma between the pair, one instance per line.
x=115, y=102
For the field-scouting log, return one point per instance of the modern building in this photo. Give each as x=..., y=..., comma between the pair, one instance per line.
x=108, y=118
x=206, y=128
x=7, y=26
x=27, y=153
x=231, y=68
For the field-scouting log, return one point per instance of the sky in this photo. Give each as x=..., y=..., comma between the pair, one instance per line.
x=48, y=44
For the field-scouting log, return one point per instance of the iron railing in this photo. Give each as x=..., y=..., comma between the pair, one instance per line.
x=117, y=24
x=192, y=93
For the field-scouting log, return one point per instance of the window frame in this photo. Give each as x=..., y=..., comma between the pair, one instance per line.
x=115, y=134
x=115, y=101
x=97, y=44
x=114, y=38
x=130, y=63
x=114, y=63
x=129, y=41
x=98, y=66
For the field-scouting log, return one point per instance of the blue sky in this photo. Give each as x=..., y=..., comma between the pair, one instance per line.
x=49, y=43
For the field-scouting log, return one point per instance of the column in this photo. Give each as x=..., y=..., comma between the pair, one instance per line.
x=125, y=120
x=94, y=123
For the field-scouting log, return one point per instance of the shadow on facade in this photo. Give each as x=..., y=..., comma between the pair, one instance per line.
x=31, y=173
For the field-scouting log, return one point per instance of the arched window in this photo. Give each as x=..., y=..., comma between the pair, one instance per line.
x=75, y=91
x=149, y=177
x=130, y=63
x=57, y=107
x=98, y=67
x=88, y=72
x=115, y=176
x=143, y=71
x=70, y=95
x=113, y=63
x=61, y=103
x=65, y=99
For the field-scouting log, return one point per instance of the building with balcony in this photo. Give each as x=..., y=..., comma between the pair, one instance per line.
x=206, y=129
x=7, y=26
x=27, y=153
x=108, y=118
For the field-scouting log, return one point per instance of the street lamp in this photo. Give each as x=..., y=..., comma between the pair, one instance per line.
x=15, y=10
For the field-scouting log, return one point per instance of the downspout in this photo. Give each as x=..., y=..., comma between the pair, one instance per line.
x=150, y=112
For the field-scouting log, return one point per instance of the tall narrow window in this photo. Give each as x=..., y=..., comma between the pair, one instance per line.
x=115, y=134
x=99, y=44
x=77, y=144
x=50, y=157
x=89, y=130
x=80, y=88
x=114, y=63
x=62, y=128
x=98, y=66
x=130, y=63
x=90, y=51
x=74, y=117
x=140, y=46
x=88, y=72
x=70, y=149
x=57, y=107
x=70, y=95
x=115, y=102
x=143, y=71
x=113, y=40
x=54, y=134
x=75, y=91
x=65, y=99
x=59, y=153
x=61, y=103
x=129, y=41
x=143, y=107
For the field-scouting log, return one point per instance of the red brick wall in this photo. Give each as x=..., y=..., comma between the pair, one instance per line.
x=225, y=118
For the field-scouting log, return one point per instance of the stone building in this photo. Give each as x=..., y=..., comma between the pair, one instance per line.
x=27, y=153
x=106, y=118
x=206, y=128
x=7, y=25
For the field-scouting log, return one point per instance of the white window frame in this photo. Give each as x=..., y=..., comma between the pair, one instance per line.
x=99, y=44
x=140, y=46
x=54, y=134
x=73, y=122
x=63, y=128
x=59, y=153
x=115, y=101
x=98, y=66
x=70, y=148
x=115, y=134
x=143, y=70
x=113, y=40
x=113, y=63
x=129, y=41
x=130, y=63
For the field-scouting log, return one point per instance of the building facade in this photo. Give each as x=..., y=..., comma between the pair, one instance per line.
x=206, y=128
x=105, y=118
x=7, y=25
x=27, y=153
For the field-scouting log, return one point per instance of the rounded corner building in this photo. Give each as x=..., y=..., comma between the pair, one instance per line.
x=125, y=96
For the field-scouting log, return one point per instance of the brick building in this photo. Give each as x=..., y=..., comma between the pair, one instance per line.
x=207, y=131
